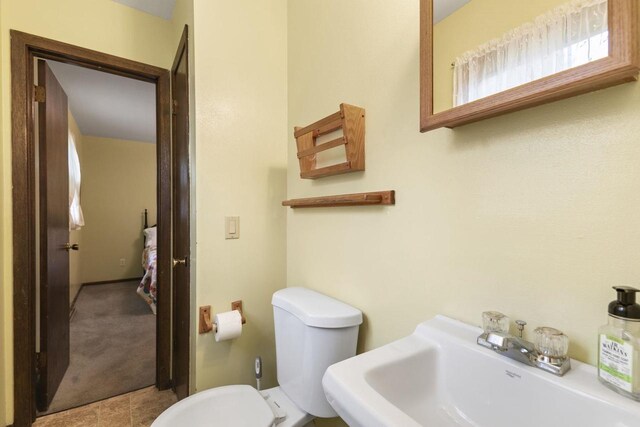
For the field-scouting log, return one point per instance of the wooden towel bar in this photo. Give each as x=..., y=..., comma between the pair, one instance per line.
x=376, y=198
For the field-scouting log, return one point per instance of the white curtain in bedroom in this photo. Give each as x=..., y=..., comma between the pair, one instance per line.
x=76, y=219
x=569, y=35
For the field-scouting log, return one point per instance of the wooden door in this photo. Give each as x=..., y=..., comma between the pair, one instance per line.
x=180, y=209
x=53, y=133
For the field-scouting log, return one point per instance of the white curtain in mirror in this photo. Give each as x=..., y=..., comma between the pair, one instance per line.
x=76, y=219
x=568, y=36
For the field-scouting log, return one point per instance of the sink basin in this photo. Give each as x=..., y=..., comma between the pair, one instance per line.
x=438, y=376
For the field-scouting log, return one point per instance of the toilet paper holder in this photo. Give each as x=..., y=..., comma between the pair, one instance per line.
x=206, y=325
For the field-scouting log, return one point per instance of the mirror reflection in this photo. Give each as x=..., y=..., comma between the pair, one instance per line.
x=483, y=47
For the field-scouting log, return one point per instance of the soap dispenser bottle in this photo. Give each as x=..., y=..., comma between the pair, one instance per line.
x=619, y=345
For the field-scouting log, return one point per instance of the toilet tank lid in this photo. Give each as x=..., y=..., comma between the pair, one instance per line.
x=316, y=309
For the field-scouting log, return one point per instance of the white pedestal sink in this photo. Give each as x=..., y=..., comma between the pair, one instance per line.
x=438, y=376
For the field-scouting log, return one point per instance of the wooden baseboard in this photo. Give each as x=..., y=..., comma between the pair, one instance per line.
x=72, y=307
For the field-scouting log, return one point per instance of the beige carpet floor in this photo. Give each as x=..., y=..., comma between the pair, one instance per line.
x=113, y=346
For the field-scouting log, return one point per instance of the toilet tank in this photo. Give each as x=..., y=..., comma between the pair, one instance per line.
x=313, y=331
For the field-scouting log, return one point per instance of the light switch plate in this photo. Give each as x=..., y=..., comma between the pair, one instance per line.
x=231, y=227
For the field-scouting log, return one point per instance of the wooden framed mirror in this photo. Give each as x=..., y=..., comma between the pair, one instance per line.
x=471, y=52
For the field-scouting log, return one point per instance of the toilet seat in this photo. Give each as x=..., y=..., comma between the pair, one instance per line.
x=235, y=406
x=228, y=406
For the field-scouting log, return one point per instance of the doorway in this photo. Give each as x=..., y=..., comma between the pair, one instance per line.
x=96, y=150
x=25, y=49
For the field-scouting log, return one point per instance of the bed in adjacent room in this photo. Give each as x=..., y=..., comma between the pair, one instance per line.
x=147, y=288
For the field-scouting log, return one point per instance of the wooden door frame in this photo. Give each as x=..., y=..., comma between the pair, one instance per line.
x=24, y=49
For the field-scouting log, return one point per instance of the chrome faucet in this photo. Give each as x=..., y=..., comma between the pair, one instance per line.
x=549, y=353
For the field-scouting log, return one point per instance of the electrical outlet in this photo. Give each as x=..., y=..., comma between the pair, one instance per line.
x=121, y=262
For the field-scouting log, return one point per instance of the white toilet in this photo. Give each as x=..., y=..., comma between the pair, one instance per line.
x=313, y=331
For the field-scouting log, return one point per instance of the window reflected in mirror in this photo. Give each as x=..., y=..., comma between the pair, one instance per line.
x=483, y=47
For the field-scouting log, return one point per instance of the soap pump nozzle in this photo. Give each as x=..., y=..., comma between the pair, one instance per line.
x=625, y=305
x=626, y=294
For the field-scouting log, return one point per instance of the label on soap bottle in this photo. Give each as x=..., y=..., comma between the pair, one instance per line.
x=616, y=362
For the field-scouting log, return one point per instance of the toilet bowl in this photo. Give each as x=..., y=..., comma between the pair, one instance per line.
x=313, y=331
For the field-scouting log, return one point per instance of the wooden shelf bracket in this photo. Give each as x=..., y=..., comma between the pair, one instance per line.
x=351, y=120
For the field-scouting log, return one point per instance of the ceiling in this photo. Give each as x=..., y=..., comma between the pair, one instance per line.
x=107, y=105
x=160, y=8
x=444, y=8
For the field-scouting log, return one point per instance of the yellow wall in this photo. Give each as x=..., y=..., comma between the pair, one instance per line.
x=182, y=15
x=5, y=287
x=75, y=236
x=97, y=24
x=472, y=25
x=241, y=104
x=118, y=184
x=534, y=213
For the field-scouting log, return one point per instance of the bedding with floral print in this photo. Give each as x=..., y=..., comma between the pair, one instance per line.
x=147, y=288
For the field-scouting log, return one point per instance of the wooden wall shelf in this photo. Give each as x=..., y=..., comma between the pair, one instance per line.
x=376, y=198
x=351, y=120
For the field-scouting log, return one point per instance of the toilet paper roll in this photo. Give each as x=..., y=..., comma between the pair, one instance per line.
x=229, y=325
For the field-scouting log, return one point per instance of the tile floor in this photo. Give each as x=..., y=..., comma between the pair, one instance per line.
x=136, y=409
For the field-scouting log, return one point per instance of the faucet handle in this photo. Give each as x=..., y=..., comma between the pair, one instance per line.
x=494, y=321
x=520, y=324
x=551, y=342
